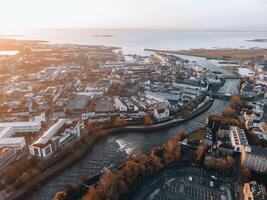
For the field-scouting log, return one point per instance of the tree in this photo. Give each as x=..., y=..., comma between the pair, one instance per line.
x=59, y=196
x=10, y=188
x=24, y=177
x=34, y=172
x=156, y=162
x=119, y=122
x=246, y=174
x=236, y=101
x=230, y=111
x=230, y=161
x=200, y=151
x=93, y=127
x=148, y=120
x=13, y=171
x=222, y=164
x=172, y=149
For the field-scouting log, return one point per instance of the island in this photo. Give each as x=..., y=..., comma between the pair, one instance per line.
x=104, y=35
x=257, y=40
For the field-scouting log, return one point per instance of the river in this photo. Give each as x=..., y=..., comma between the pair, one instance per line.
x=115, y=149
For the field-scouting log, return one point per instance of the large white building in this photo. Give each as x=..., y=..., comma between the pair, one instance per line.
x=9, y=128
x=16, y=142
x=23, y=127
x=7, y=141
x=6, y=132
x=55, y=136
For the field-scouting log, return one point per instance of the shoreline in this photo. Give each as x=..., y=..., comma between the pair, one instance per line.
x=218, y=54
x=97, y=136
x=17, y=44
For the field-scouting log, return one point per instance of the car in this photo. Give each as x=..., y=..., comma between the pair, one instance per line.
x=211, y=184
x=214, y=177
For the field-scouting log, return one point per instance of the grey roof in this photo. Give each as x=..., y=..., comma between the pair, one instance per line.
x=78, y=103
x=259, y=151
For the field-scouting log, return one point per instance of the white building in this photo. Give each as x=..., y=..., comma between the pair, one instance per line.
x=16, y=142
x=54, y=137
x=120, y=105
x=238, y=139
x=9, y=128
x=7, y=141
x=6, y=132
x=161, y=114
x=22, y=127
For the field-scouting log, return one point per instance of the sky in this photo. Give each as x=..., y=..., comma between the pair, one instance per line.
x=133, y=14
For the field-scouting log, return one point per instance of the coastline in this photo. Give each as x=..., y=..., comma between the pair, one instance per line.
x=97, y=136
x=222, y=54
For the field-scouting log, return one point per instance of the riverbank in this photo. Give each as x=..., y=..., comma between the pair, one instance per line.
x=82, y=186
x=89, y=143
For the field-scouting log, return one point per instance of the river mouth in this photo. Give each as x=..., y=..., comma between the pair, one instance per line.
x=115, y=149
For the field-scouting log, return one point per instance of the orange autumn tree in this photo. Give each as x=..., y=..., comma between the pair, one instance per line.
x=114, y=184
x=200, y=151
x=119, y=122
x=230, y=111
x=236, y=100
x=172, y=149
x=148, y=120
x=91, y=127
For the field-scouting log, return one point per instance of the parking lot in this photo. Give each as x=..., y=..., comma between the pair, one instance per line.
x=185, y=184
x=190, y=187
